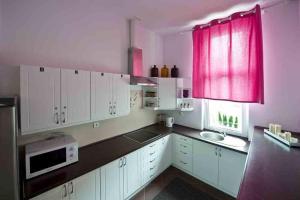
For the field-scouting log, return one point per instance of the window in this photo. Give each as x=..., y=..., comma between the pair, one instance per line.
x=230, y=117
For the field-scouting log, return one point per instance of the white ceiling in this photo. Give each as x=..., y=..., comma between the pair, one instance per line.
x=165, y=16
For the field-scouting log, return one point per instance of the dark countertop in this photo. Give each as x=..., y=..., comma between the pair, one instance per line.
x=98, y=154
x=272, y=170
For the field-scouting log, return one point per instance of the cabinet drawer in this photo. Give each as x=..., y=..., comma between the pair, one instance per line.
x=183, y=148
x=183, y=139
x=184, y=162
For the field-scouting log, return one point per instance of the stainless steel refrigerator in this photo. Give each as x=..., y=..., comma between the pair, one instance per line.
x=9, y=176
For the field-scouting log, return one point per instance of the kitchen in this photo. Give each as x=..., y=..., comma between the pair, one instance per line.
x=84, y=78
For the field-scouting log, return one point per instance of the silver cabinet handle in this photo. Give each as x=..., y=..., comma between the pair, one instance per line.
x=114, y=108
x=71, y=188
x=151, y=161
x=220, y=155
x=183, y=145
x=65, y=191
x=152, y=153
x=183, y=162
x=56, y=118
x=183, y=152
x=152, y=145
x=121, y=162
x=151, y=168
x=63, y=116
x=125, y=161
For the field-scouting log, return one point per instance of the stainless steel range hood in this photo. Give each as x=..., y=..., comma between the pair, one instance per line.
x=135, y=61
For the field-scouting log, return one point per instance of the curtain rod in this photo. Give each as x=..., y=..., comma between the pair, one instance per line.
x=243, y=13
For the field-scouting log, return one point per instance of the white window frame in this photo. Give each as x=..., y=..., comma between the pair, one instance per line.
x=244, y=124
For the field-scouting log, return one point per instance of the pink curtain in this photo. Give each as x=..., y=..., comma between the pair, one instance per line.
x=228, y=58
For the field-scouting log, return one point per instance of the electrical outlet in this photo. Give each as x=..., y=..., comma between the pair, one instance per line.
x=96, y=125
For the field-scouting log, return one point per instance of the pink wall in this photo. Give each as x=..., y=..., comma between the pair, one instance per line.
x=69, y=34
x=281, y=33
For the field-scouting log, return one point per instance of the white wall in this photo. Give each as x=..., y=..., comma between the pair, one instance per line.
x=281, y=33
x=72, y=34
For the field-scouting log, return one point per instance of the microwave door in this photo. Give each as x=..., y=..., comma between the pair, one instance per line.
x=9, y=185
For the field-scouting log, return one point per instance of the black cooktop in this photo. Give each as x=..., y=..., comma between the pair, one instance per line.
x=142, y=136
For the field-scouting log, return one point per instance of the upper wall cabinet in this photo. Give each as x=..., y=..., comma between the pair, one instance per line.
x=110, y=95
x=75, y=96
x=53, y=98
x=40, y=98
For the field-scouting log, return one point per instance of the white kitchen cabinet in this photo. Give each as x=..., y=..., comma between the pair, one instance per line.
x=205, y=162
x=167, y=99
x=121, y=94
x=112, y=180
x=121, y=178
x=165, y=158
x=101, y=95
x=183, y=153
x=132, y=173
x=40, y=98
x=75, y=96
x=84, y=187
x=110, y=95
x=231, y=169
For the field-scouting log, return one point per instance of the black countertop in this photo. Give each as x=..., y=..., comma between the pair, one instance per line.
x=98, y=154
x=272, y=170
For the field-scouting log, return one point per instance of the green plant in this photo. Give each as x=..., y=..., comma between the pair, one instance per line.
x=225, y=120
x=236, y=122
x=220, y=118
x=230, y=121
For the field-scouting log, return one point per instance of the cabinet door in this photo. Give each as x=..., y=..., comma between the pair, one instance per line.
x=101, y=94
x=121, y=94
x=112, y=181
x=231, y=169
x=165, y=153
x=83, y=187
x=167, y=93
x=58, y=193
x=132, y=174
x=75, y=96
x=205, y=162
x=40, y=98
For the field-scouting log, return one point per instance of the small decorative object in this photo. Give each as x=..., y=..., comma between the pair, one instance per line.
x=277, y=129
x=154, y=71
x=236, y=122
x=272, y=128
x=230, y=121
x=164, y=72
x=174, y=72
x=225, y=120
x=185, y=93
x=286, y=138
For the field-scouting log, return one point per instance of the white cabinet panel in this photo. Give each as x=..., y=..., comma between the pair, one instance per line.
x=165, y=153
x=205, y=162
x=121, y=94
x=167, y=93
x=101, y=95
x=112, y=181
x=75, y=96
x=231, y=168
x=84, y=187
x=132, y=173
x=40, y=98
x=58, y=193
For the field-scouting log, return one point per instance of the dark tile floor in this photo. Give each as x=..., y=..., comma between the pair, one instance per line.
x=158, y=184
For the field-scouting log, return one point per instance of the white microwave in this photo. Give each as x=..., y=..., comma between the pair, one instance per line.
x=50, y=154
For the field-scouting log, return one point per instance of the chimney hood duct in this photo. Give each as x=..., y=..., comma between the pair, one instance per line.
x=135, y=62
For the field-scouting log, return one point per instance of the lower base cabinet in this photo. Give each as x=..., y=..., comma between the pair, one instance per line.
x=218, y=166
x=85, y=187
x=122, y=178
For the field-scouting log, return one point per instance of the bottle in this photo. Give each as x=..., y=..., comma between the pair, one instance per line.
x=174, y=72
x=154, y=71
x=164, y=72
